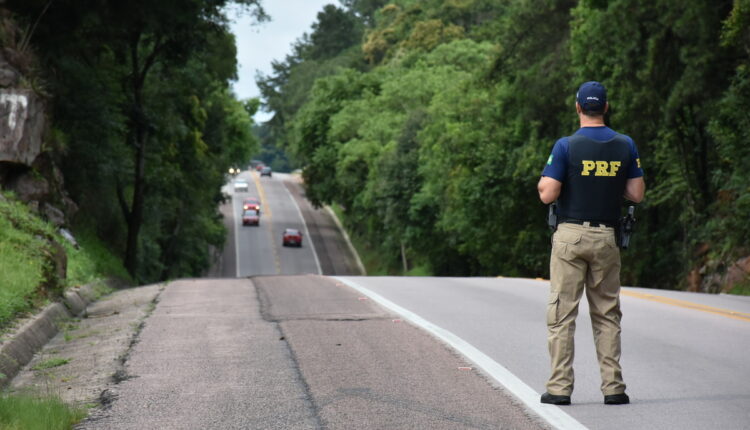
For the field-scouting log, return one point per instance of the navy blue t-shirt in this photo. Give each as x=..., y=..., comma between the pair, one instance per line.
x=557, y=163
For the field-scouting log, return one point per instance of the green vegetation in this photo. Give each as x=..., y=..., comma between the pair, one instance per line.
x=431, y=126
x=428, y=122
x=27, y=245
x=145, y=122
x=742, y=289
x=21, y=258
x=52, y=362
x=91, y=261
x=31, y=413
x=372, y=258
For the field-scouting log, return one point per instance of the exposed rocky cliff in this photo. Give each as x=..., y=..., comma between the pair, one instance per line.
x=27, y=166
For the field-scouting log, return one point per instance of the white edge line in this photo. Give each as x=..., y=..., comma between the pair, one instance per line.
x=236, y=237
x=353, y=250
x=304, y=225
x=550, y=413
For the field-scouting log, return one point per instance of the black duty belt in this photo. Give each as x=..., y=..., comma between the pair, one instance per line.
x=591, y=223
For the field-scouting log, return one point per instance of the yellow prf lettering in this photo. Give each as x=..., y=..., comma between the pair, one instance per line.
x=588, y=166
x=613, y=167
x=603, y=168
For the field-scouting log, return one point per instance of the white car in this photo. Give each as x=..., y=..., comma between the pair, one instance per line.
x=241, y=186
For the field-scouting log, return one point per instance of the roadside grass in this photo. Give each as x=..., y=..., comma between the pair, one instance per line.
x=23, y=412
x=422, y=270
x=91, y=261
x=741, y=289
x=21, y=258
x=52, y=362
x=24, y=250
x=24, y=267
x=377, y=264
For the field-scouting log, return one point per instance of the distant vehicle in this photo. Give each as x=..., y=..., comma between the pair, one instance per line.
x=260, y=167
x=250, y=217
x=251, y=203
x=241, y=186
x=265, y=171
x=292, y=237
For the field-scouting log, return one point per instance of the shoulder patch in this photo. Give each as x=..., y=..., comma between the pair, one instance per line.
x=549, y=160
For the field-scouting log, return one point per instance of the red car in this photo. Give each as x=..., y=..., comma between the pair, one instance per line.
x=292, y=237
x=250, y=217
x=251, y=203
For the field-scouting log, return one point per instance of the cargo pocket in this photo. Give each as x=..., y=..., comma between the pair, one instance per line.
x=570, y=237
x=563, y=242
x=552, y=304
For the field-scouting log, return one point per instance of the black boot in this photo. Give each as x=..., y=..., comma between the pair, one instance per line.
x=617, y=399
x=555, y=400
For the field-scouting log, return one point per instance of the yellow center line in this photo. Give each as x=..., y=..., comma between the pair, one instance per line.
x=266, y=208
x=688, y=305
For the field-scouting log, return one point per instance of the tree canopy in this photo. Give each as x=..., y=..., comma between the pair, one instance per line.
x=144, y=117
x=431, y=129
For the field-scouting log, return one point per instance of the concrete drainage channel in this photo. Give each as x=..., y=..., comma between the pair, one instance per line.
x=32, y=335
x=76, y=349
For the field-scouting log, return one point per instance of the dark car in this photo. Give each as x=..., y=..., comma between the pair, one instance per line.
x=292, y=237
x=251, y=203
x=250, y=217
x=266, y=171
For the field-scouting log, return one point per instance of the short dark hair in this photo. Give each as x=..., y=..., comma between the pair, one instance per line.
x=594, y=113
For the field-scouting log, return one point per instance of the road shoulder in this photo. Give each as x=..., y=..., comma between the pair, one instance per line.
x=365, y=368
x=89, y=350
x=337, y=256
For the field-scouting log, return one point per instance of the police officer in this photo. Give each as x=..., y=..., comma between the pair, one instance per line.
x=588, y=174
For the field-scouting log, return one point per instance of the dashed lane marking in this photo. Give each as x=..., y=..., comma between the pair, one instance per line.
x=266, y=211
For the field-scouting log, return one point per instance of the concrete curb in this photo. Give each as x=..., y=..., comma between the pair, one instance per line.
x=353, y=250
x=21, y=344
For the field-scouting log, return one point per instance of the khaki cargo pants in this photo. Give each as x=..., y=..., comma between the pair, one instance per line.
x=584, y=257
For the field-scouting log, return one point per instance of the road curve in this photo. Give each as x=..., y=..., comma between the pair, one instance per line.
x=253, y=251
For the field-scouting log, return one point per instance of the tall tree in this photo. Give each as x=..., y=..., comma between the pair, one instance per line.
x=130, y=58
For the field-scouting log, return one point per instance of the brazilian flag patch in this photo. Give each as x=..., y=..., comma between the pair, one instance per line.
x=549, y=160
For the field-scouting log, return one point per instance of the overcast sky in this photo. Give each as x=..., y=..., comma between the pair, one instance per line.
x=259, y=44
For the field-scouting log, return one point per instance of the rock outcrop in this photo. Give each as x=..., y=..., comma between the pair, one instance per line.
x=22, y=124
x=26, y=168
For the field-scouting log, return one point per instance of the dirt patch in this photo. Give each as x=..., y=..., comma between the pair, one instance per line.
x=91, y=349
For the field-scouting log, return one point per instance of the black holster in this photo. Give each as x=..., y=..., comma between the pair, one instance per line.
x=625, y=229
x=552, y=217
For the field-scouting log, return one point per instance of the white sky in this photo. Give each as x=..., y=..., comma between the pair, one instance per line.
x=260, y=44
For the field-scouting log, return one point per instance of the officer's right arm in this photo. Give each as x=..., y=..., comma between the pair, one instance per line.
x=549, y=189
x=635, y=188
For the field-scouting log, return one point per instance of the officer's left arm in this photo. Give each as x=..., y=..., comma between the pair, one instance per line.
x=635, y=188
x=549, y=189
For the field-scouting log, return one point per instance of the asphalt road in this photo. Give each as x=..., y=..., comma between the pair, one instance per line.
x=253, y=251
x=684, y=354
x=263, y=351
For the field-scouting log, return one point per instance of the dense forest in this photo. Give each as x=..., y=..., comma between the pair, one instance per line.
x=144, y=123
x=428, y=123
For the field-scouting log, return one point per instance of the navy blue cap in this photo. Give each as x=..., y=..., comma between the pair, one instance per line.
x=592, y=96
